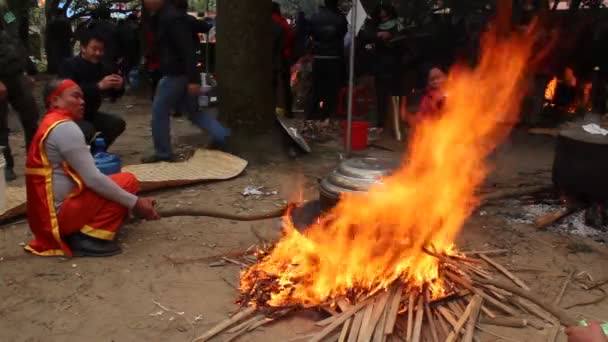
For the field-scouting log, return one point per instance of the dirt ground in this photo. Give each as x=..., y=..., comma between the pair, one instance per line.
x=141, y=295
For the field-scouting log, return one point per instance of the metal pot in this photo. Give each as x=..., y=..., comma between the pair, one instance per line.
x=353, y=175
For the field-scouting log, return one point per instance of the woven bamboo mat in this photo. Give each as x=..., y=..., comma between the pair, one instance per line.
x=204, y=165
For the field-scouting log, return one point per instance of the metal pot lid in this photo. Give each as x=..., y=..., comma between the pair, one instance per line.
x=357, y=175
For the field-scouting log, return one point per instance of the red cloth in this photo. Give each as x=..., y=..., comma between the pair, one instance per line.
x=152, y=59
x=83, y=210
x=94, y=215
x=290, y=35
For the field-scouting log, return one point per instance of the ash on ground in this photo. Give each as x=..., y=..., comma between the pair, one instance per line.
x=516, y=212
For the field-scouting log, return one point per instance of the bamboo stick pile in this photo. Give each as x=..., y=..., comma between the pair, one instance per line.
x=406, y=313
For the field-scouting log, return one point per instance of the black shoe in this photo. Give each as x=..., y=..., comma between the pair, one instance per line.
x=151, y=159
x=83, y=245
x=9, y=175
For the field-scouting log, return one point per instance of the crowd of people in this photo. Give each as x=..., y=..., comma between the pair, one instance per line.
x=380, y=54
x=73, y=208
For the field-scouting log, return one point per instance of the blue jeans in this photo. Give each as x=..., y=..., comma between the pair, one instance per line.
x=172, y=93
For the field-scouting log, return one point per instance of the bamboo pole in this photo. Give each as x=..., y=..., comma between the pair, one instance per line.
x=225, y=324
x=564, y=318
x=502, y=269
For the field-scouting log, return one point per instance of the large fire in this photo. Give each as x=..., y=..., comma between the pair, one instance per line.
x=368, y=241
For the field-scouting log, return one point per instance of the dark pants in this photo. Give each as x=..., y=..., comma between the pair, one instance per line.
x=386, y=87
x=326, y=81
x=281, y=82
x=109, y=125
x=21, y=99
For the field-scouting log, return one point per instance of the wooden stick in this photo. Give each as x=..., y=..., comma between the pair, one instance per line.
x=379, y=333
x=563, y=316
x=470, y=332
x=463, y=319
x=429, y=317
x=488, y=312
x=410, y=316
x=533, y=309
x=492, y=300
x=342, y=318
x=371, y=317
x=491, y=251
x=221, y=215
x=552, y=217
x=511, y=322
x=419, y=317
x=344, y=332
x=226, y=323
x=560, y=295
x=355, y=328
x=495, y=334
x=502, y=269
x=448, y=316
x=443, y=325
x=245, y=324
x=391, y=316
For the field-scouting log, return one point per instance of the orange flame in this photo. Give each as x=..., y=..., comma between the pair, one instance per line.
x=368, y=241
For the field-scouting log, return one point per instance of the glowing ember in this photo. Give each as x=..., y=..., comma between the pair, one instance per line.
x=369, y=241
x=550, y=90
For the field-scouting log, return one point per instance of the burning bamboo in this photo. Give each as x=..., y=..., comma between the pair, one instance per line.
x=386, y=267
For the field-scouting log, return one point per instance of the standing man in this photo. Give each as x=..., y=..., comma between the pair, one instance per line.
x=284, y=87
x=15, y=87
x=96, y=82
x=180, y=85
x=328, y=28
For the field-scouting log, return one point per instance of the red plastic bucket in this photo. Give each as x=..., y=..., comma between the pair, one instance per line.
x=359, y=134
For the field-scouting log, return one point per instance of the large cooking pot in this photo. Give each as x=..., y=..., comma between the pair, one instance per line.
x=353, y=175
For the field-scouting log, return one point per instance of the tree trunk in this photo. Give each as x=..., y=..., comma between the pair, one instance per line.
x=244, y=46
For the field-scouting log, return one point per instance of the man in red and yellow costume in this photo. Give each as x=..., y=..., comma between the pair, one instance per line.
x=73, y=209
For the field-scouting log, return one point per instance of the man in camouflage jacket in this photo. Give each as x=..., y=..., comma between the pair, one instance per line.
x=15, y=86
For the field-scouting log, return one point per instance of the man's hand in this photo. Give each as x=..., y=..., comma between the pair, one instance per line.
x=194, y=89
x=144, y=208
x=110, y=82
x=591, y=333
x=3, y=91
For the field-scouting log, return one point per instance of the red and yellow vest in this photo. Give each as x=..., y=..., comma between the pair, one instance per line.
x=41, y=213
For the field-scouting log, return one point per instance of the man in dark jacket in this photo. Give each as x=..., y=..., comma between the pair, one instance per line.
x=97, y=82
x=103, y=25
x=180, y=84
x=15, y=87
x=328, y=28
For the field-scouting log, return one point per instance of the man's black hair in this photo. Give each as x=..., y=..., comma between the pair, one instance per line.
x=331, y=4
x=276, y=8
x=102, y=12
x=49, y=88
x=90, y=34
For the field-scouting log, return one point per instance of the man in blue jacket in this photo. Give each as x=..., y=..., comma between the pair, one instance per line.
x=180, y=85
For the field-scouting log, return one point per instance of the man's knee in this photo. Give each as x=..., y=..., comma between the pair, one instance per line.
x=127, y=181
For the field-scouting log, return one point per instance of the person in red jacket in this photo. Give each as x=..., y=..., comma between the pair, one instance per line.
x=284, y=89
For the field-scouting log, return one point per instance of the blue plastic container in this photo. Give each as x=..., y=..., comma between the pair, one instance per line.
x=107, y=163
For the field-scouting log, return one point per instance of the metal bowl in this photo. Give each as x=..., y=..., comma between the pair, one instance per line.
x=353, y=175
